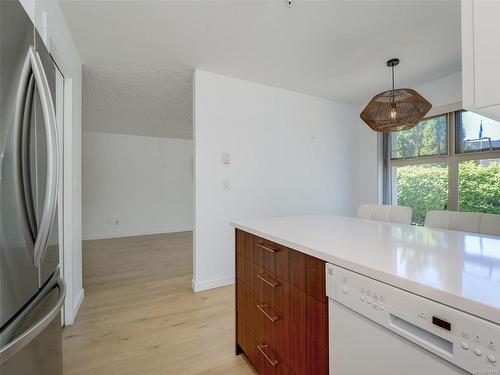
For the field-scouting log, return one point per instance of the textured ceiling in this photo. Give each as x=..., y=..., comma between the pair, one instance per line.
x=138, y=100
x=332, y=49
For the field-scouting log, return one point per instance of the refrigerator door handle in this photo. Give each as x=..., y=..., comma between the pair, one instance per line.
x=52, y=180
x=22, y=117
x=36, y=240
x=25, y=162
x=21, y=341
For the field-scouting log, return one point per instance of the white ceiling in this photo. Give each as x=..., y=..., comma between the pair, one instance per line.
x=332, y=49
x=138, y=100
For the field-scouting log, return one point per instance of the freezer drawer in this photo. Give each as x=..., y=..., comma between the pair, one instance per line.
x=31, y=344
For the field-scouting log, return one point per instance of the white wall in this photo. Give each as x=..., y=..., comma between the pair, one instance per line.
x=291, y=154
x=445, y=94
x=134, y=185
x=369, y=165
x=51, y=24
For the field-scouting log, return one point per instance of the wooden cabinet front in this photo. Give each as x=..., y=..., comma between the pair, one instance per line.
x=281, y=308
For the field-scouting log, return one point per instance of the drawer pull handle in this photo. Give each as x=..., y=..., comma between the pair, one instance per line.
x=268, y=280
x=268, y=312
x=268, y=248
x=262, y=348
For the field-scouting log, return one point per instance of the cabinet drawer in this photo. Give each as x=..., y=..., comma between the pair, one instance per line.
x=268, y=287
x=272, y=257
x=272, y=315
x=244, y=244
x=244, y=270
x=258, y=279
x=245, y=302
x=246, y=339
x=272, y=325
x=257, y=324
x=269, y=362
x=281, y=308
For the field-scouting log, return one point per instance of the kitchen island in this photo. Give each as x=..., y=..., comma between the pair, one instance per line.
x=461, y=270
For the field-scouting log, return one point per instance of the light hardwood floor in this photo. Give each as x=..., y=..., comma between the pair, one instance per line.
x=140, y=315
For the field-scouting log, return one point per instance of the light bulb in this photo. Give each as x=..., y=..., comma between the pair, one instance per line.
x=393, y=112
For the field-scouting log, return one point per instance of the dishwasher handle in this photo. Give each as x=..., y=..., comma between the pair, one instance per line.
x=420, y=335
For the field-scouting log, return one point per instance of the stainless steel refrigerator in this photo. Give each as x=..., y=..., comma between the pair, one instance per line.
x=31, y=289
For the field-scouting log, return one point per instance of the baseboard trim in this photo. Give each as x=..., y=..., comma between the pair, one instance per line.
x=134, y=234
x=76, y=306
x=211, y=284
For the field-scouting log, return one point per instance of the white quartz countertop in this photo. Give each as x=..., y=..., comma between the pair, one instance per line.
x=459, y=269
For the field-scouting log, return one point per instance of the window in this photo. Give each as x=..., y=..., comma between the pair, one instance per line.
x=428, y=138
x=450, y=161
x=423, y=187
x=479, y=186
x=477, y=133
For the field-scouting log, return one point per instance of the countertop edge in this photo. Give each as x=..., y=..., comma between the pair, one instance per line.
x=463, y=304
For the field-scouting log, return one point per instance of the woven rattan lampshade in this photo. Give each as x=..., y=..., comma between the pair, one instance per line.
x=396, y=109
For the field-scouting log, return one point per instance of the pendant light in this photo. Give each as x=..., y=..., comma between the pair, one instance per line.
x=396, y=109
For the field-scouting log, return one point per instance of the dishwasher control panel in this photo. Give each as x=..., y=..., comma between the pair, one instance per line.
x=470, y=343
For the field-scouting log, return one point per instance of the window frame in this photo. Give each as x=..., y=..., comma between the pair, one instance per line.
x=452, y=158
x=458, y=137
x=440, y=155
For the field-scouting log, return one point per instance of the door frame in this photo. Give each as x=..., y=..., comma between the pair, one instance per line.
x=59, y=104
x=65, y=225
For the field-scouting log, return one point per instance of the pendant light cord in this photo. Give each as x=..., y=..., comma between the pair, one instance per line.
x=392, y=78
x=393, y=99
x=392, y=92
